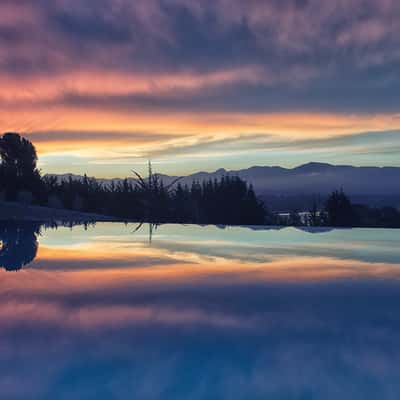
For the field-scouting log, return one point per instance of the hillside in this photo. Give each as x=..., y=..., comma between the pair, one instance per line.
x=285, y=188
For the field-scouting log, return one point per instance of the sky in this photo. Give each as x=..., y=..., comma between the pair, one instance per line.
x=101, y=86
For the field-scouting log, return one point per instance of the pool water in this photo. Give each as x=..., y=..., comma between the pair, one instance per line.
x=117, y=311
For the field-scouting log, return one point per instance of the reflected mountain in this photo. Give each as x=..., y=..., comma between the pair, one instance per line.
x=19, y=244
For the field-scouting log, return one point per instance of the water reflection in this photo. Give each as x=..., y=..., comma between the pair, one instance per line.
x=18, y=244
x=203, y=313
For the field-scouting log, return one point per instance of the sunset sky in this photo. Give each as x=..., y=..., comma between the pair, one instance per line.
x=100, y=86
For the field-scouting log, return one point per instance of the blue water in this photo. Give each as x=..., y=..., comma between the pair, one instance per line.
x=190, y=312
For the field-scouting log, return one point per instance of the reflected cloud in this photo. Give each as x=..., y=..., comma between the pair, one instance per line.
x=178, y=250
x=202, y=312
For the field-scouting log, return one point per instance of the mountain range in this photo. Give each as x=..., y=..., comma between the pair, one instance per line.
x=284, y=189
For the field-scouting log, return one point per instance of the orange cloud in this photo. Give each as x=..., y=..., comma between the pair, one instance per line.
x=104, y=264
x=49, y=88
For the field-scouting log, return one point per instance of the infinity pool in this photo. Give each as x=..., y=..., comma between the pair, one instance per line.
x=117, y=311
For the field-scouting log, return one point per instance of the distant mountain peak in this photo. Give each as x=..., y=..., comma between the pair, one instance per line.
x=314, y=166
x=309, y=178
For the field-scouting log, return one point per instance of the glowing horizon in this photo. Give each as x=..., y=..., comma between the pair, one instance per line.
x=101, y=86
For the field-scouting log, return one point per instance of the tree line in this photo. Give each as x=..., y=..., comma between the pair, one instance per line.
x=339, y=211
x=227, y=201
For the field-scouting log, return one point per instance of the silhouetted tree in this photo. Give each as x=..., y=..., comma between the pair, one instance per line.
x=18, y=169
x=340, y=211
x=315, y=216
x=154, y=196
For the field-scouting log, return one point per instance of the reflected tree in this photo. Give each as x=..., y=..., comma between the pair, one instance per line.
x=152, y=227
x=19, y=245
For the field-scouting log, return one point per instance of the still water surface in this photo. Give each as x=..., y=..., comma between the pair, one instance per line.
x=199, y=313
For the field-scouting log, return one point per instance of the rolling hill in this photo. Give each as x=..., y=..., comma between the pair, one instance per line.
x=284, y=189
